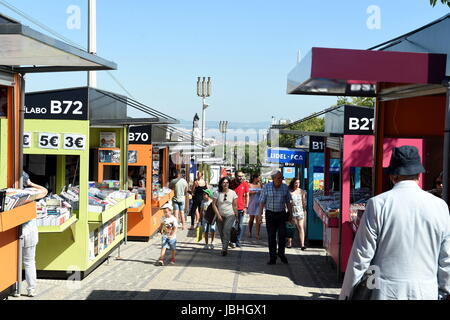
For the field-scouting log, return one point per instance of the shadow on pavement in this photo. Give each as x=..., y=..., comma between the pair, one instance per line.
x=194, y=295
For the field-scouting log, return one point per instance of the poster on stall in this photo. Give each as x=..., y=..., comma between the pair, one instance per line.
x=318, y=181
x=289, y=172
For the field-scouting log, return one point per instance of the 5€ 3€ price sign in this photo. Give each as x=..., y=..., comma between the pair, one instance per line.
x=49, y=140
x=74, y=141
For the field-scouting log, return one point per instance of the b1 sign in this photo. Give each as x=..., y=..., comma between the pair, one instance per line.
x=286, y=156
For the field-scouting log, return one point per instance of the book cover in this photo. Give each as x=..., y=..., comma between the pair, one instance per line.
x=107, y=139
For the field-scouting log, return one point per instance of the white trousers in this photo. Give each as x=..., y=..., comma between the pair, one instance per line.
x=29, y=261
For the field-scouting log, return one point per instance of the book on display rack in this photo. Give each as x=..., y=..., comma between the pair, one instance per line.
x=13, y=198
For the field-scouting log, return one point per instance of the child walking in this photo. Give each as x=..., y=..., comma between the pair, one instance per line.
x=209, y=218
x=168, y=229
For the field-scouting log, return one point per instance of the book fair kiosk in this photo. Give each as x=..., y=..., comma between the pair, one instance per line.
x=49, y=55
x=340, y=209
x=81, y=159
x=408, y=77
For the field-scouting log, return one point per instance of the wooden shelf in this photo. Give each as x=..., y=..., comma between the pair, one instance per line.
x=58, y=229
x=17, y=216
x=105, y=216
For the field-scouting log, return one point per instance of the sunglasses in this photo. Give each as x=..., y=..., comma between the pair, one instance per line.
x=225, y=197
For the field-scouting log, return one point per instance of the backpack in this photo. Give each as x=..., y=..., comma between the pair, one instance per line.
x=209, y=214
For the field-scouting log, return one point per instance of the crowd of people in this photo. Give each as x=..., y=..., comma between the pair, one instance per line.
x=225, y=209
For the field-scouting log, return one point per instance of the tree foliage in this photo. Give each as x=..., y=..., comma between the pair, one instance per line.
x=357, y=101
x=311, y=125
x=433, y=2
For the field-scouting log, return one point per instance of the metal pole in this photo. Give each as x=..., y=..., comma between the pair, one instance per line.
x=92, y=39
x=125, y=175
x=203, y=124
x=446, y=173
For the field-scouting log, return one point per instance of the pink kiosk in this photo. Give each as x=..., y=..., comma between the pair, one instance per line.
x=354, y=144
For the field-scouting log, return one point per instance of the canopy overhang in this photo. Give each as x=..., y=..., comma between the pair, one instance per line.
x=348, y=72
x=24, y=50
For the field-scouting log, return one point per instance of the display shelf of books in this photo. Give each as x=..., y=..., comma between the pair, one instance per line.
x=58, y=228
x=107, y=214
x=105, y=237
x=324, y=207
x=137, y=206
x=17, y=216
x=163, y=197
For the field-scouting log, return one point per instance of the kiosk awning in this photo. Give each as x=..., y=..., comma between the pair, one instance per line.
x=347, y=72
x=25, y=50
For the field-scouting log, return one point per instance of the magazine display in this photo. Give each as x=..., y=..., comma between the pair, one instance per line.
x=53, y=211
x=102, y=197
x=13, y=198
x=100, y=239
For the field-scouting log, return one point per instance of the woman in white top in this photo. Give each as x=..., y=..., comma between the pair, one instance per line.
x=253, y=205
x=225, y=207
x=298, y=211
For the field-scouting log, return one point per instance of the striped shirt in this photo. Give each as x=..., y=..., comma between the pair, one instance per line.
x=275, y=199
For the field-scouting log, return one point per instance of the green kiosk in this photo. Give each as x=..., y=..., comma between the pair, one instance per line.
x=66, y=133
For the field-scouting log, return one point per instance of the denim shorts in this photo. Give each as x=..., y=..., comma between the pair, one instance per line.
x=169, y=243
x=178, y=205
x=209, y=227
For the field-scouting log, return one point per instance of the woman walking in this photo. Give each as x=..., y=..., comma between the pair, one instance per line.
x=298, y=211
x=198, y=188
x=253, y=205
x=225, y=207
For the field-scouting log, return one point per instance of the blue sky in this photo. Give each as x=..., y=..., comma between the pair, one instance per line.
x=248, y=47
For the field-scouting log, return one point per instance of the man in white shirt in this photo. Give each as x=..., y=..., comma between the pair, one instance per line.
x=403, y=240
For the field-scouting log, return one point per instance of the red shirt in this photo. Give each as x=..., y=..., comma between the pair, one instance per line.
x=240, y=190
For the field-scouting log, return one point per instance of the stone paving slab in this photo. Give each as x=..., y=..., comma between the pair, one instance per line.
x=200, y=274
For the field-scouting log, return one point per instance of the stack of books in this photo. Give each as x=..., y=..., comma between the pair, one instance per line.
x=53, y=211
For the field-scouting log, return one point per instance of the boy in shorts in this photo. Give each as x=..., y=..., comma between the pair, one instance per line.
x=168, y=229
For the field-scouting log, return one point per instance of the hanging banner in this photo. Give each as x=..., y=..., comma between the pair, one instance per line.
x=286, y=156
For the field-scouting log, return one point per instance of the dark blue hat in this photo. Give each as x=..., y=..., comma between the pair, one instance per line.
x=405, y=161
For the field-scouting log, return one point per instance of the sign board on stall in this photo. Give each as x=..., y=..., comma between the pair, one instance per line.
x=316, y=144
x=358, y=120
x=57, y=105
x=140, y=135
x=286, y=156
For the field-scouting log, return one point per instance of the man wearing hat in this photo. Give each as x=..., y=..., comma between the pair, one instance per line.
x=402, y=246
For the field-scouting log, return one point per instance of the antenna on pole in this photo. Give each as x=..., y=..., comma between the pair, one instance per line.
x=299, y=56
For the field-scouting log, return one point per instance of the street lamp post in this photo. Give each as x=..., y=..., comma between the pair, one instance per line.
x=223, y=127
x=203, y=91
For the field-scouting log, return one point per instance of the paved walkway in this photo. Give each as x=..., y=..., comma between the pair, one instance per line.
x=200, y=274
